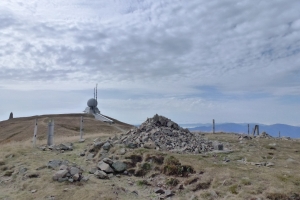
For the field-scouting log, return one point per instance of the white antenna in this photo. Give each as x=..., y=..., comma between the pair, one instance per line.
x=96, y=91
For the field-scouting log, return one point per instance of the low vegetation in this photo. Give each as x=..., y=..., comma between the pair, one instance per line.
x=233, y=175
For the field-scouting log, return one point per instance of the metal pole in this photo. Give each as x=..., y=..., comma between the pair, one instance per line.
x=81, y=125
x=248, y=129
x=213, y=125
x=50, y=132
x=279, y=134
x=34, y=134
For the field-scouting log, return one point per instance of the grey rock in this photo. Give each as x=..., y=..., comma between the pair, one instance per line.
x=22, y=170
x=90, y=156
x=63, y=167
x=100, y=174
x=159, y=191
x=93, y=170
x=59, y=174
x=122, y=151
x=105, y=167
x=76, y=177
x=74, y=170
x=96, y=147
x=54, y=164
x=132, y=145
x=108, y=161
x=119, y=166
x=169, y=193
x=82, y=154
x=62, y=179
x=149, y=145
x=106, y=146
x=84, y=179
x=33, y=175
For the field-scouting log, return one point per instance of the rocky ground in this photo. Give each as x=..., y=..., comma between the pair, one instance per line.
x=158, y=160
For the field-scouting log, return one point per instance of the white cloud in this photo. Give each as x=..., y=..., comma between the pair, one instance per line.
x=165, y=48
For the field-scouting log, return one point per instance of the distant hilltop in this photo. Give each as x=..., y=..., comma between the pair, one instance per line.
x=273, y=130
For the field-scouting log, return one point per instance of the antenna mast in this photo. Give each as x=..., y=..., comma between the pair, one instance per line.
x=96, y=91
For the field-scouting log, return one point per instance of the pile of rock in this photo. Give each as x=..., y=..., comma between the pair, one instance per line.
x=244, y=137
x=107, y=168
x=61, y=147
x=66, y=172
x=163, y=134
x=264, y=135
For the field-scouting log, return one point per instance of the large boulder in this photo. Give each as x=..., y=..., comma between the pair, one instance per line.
x=119, y=166
x=105, y=167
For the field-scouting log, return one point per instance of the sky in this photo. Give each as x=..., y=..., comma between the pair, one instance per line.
x=191, y=61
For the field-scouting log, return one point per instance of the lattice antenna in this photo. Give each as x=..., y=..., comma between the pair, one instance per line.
x=96, y=91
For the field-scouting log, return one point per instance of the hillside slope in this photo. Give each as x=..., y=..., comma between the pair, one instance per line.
x=65, y=125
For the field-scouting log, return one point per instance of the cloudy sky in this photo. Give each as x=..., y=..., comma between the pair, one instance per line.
x=191, y=61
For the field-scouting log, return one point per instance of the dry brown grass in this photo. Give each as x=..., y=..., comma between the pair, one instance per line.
x=217, y=180
x=20, y=129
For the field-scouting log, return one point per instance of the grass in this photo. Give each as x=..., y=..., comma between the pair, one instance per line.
x=233, y=180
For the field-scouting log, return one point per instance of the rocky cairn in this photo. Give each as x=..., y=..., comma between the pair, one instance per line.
x=66, y=171
x=107, y=168
x=162, y=133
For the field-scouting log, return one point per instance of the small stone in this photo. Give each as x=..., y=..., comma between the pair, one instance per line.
x=159, y=191
x=168, y=193
x=93, y=170
x=100, y=174
x=108, y=161
x=180, y=187
x=74, y=170
x=22, y=170
x=106, y=146
x=33, y=175
x=135, y=192
x=33, y=191
x=122, y=151
x=63, y=167
x=84, y=179
x=76, y=177
x=90, y=156
x=59, y=174
x=82, y=154
x=81, y=140
x=8, y=173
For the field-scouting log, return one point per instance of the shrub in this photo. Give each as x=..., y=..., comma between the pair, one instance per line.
x=172, y=182
x=173, y=167
x=233, y=189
